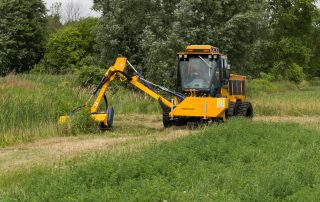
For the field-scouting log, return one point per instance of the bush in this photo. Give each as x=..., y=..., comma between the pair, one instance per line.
x=258, y=86
x=89, y=75
x=67, y=48
x=290, y=71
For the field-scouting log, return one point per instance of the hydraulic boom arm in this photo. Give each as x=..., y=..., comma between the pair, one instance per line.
x=117, y=70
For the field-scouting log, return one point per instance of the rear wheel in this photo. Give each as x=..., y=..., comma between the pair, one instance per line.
x=245, y=109
x=167, y=123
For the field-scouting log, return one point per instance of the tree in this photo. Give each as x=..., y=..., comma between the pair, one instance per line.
x=151, y=32
x=72, y=11
x=270, y=36
x=291, y=47
x=236, y=28
x=69, y=48
x=124, y=29
x=54, y=17
x=22, y=34
x=314, y=67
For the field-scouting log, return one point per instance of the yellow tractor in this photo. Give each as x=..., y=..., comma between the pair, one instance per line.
x=205, y=91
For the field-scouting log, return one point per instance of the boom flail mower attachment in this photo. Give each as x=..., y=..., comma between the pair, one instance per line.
x=206, y=90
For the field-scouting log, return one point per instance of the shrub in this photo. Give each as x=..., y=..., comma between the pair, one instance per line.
x=290, y=71
x=67, y=48
x=89, y=75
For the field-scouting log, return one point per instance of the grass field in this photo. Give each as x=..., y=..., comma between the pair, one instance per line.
x=30, y=105
x=273, y=158
x=284, y=98
x=237, y=161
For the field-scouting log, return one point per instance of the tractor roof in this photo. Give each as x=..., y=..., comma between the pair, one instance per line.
x=201, y=49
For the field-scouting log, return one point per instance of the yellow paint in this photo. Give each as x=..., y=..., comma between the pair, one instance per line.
x=120, y=65
x=135, y=81
x=63, y=119
x=103, y=117
x=201, y=107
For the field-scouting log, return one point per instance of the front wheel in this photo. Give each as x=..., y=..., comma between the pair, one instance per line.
x=110, y=115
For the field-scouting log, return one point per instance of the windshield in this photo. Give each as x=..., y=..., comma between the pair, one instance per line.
x=197, y=73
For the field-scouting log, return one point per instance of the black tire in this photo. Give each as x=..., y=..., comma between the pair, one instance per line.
x=231, y=110
x=167, y=123
x=110, y=113
x=245, y=109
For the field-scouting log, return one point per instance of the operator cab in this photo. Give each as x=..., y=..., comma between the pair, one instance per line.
x=203, y=70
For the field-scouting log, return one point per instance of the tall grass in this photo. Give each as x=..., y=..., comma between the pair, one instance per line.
x=30, y=105
x=284, y=98
x=237, y=161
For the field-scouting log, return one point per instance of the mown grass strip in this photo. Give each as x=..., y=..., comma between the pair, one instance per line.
x=240, y=160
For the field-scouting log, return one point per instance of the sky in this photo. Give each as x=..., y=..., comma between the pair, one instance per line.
x=86, y=6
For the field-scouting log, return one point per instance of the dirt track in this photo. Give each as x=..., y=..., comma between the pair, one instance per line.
x=55, y=150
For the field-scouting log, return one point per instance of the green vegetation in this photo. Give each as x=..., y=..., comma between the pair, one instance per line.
x=291, y=47
x=290, y=103
x=273, y=42
x=69, y=48
x=275, y=37
x=272, y=98
x=239, y=160
x=32, y=104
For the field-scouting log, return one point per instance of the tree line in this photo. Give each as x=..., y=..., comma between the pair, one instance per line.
x=277, y=38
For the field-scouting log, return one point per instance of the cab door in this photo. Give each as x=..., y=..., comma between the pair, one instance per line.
x=225, y=70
